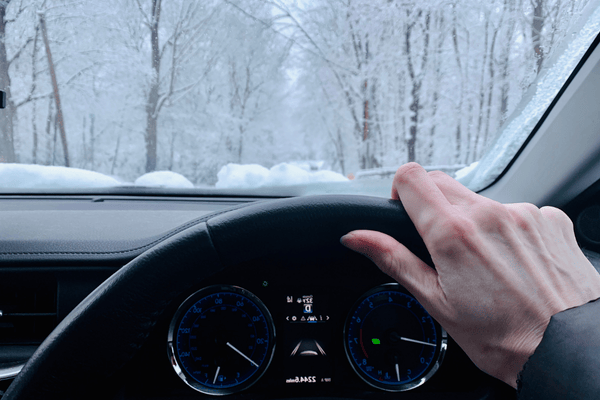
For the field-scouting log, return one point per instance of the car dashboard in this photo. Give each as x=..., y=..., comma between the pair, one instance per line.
x=56, y=250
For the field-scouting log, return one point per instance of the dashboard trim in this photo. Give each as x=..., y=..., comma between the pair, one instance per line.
x=10, y=372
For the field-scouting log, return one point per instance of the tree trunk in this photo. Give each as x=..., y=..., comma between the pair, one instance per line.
x=49, y=121
x=492, y=82
x=84, y=142
x=59, y=115
x=505, y=80
x=414, y=105
x=340, y=151
x=172, y=152
x=35, y=134
x=92, y=141
x=7, y=147
x=240, y=144
x=34, y=156
x=477, y=139
x=365, y=113
x=152, y=102
x=459, y=107
x=536, y=34
x=417, y=80
x=377, y=160
x=114, y=162
x=366, y=159
x=411, y=143
x=437, y=67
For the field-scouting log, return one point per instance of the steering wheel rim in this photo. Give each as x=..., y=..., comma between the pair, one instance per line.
x=108, y=327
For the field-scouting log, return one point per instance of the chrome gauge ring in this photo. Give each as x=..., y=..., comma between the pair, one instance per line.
x=221, y=340
x=391, y=342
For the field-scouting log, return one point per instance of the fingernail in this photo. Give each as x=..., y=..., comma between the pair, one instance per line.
x=344, y=239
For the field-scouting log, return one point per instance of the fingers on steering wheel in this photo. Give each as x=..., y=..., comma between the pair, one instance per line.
x=454, y=191
x=422, y=199
x=394, y=259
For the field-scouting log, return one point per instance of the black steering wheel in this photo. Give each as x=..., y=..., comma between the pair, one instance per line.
x=107, y=328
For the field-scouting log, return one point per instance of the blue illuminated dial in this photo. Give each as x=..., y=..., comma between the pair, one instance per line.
x=391, y=341
x=221, y=340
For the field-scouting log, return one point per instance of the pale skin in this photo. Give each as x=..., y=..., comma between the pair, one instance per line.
x=501, y=270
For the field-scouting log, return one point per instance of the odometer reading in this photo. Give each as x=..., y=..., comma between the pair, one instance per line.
x=391, y=341
x=221, y=340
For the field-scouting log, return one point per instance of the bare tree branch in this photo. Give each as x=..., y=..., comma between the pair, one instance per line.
x=18, y=53
x=144, y=15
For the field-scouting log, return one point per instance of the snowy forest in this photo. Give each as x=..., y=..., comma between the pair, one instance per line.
x=133, y=86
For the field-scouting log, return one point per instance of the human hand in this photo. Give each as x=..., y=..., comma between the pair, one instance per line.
x=501, y=270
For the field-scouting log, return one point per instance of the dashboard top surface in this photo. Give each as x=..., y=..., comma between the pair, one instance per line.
x=92, y=229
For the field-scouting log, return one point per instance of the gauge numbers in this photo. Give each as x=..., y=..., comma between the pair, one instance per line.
x=221, y=340
x=391, y=341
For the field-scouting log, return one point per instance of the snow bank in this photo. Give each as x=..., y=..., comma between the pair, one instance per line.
x=164, y=179
x=28, y=176
x=285, y=174
x=465, y=171
x=389, y=172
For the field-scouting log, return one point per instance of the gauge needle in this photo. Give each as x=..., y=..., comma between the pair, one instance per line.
x=219, y=368
x=417, y=341
x=397, y=372
x=242, y=354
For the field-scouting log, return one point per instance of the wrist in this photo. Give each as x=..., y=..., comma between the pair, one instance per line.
x=516, y=357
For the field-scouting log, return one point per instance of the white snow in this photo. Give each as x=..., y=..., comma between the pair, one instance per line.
x=389, y=172
x=24, y=176
x=464, y=171
x=309, y=165
x=164, y=179
x=284, y=174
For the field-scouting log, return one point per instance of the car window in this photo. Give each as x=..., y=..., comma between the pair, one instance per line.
x=319, y=96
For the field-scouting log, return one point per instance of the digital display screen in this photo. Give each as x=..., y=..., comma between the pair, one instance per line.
x=307, y=341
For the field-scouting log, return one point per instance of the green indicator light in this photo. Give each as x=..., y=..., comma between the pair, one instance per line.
x=376, y=341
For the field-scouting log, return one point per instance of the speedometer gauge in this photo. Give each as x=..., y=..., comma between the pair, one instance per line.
x=391, y=341
x=221, y=340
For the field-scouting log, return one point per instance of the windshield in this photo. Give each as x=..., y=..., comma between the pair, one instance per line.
x=321, y=96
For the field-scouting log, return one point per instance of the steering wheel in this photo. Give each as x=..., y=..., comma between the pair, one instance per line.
x=109, y=326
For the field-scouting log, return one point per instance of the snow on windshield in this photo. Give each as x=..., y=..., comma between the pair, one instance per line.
x=126, y=88
x=478, y=175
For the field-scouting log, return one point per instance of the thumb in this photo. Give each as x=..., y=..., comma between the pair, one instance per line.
x=394, y=259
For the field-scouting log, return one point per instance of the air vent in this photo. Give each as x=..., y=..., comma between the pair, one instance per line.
x=27, y=311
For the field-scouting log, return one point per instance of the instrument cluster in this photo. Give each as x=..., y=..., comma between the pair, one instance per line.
x=223, y=339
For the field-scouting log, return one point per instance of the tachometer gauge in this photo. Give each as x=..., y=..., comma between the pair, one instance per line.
x=391, y=341
x=221, y=340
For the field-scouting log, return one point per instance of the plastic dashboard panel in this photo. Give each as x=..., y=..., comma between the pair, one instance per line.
x=106, y=230
x=83, y=246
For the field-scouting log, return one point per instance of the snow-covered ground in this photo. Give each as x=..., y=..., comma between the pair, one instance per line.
x=389, y=172
x=165, y=179
x=27, y=176
x=459, y=174
x=247, y=176
x=231, y=176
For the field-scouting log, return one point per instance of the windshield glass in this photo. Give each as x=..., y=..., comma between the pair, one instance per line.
x=321, y=96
